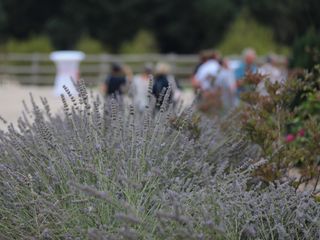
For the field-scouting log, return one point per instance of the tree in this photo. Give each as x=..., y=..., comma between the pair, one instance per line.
x=25, y=18
x=306, y=50
x=178, y=26
x=288, y=18
x=188, y=26
x=245, y=32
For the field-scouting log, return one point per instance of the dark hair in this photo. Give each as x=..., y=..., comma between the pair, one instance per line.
x=116, y=67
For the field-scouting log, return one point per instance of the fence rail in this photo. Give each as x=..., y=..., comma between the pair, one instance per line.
x=38, y=69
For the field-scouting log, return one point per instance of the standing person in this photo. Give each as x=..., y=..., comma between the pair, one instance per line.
x=247, y=66
x=162, y=80
x=271, y=73
x=115, y=83
x=207, y=72
x=206, y=77
x=225, y=85
x=203, y=57
x=140, y=84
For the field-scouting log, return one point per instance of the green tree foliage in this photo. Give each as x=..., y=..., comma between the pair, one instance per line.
x=3, y=18
x=33, y=44
x=306, y=50
x=185, y=26
x=90, y=45
x=288, y=18
x=112, y=22
x=58, y=29
x=180, y=26
x=26, y=18
x=143, y=42
x=247, y=32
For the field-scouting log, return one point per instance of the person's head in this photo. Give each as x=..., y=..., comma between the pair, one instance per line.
x=203, y=56
x=211, y=54
x=224, y=63
x=162, y=68
x=116, y=68
x=249, y=56
x=148, y=68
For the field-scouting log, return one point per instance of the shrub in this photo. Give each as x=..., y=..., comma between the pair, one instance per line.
x=143, y=42
x=102, y=171
x=34, y=44
x=286, y=125
x=90, y=45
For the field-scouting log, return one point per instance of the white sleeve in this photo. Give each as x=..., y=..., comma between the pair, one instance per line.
x=219, y=79
x=232, y=83
x=201, y=73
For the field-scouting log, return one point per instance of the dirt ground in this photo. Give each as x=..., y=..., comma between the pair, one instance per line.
x=12, y=95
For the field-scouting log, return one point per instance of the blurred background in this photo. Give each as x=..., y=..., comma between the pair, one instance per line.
x=139, y=31
x=142, y=26
x=284, y=27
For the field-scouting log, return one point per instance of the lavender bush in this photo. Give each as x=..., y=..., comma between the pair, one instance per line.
x=101, y=171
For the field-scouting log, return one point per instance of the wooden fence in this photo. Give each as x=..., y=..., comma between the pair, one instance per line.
x=38, y=69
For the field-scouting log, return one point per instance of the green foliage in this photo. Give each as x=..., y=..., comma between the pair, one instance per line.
x=306, y=50
x=63, y=33
x=143, y=42
x=25, y=19
x=179, y=26
x=90, y=46
x=114, y=22
x=213, y=20
x=34, y=44
x=289, y=19
x=247, y=32
x=286, y=124
x=202, y=26
x=3, y=19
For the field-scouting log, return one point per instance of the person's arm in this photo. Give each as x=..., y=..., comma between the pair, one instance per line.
x=195, y=83
x=104, y=87
x=124, y=87
x=232, y=83
x=128, y=73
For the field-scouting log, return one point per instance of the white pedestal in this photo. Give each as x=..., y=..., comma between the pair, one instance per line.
x=67, y=64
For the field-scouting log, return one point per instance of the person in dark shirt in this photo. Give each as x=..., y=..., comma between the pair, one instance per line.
x=115, y=83
x=161, y=83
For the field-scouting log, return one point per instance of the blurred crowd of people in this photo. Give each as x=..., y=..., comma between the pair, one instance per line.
x=218, y=81
x=121, y=81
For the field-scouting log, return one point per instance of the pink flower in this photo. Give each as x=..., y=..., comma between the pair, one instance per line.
x=301, y=133
x=290, y=138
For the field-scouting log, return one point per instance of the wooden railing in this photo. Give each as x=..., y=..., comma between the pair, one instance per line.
x=38, y=69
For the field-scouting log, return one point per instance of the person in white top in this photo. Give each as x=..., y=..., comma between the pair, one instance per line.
x=226, y=85
x=207, y=72
x=271, y=73
x=140, y=85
